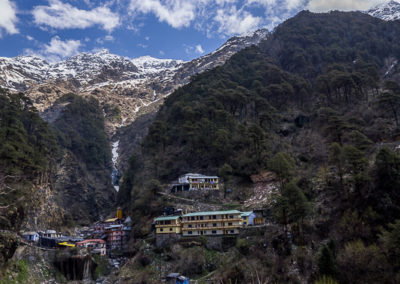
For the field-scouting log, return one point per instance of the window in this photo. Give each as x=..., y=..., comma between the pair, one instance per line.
x=214, y=224
x=192, y=218
x=170, y=229
x=229, y=224
x=214, y=232
x=190, y=225
x=214, y=216
x=190, y=232
x=245, y=223
x=201, y=217
x=232, y=231
x=168, y=222
x=161, y=229
x=231, y=216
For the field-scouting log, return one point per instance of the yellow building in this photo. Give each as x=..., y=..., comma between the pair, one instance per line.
x=259, y=221
x=211, y=223
x=248, y=218
x=119, y=213
x=168, y=225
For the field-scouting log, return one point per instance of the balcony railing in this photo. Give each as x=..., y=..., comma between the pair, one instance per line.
x=166, y=226
x=212, y=228
x=211, y=220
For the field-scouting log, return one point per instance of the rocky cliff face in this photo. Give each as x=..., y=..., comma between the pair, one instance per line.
x=129, y=85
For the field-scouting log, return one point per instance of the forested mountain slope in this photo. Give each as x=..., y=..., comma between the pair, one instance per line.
x=53, y=174
x=317, y=103
x=27, y=146
x=82, y=176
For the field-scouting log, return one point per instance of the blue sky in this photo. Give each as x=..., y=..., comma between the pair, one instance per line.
x=178, y=29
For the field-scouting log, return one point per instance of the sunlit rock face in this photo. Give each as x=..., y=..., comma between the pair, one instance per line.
x=133, y=86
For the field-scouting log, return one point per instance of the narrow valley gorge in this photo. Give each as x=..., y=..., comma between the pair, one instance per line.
x=273, y=159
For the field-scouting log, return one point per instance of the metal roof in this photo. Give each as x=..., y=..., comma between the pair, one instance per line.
x=29, y=233
x=247, y=213
x=91, y=241
x=174, y=275
x=165, y=218
x=212, y=213
x=192, y=175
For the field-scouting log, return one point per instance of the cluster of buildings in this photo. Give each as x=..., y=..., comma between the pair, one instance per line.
x=209, y=223
x=192, y=181
x=100, y=238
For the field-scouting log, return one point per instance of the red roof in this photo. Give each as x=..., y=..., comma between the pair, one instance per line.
x=91, y=241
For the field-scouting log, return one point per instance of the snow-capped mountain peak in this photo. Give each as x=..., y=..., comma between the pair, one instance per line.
x=388, y=11
x=147, y=64
x=131, y=85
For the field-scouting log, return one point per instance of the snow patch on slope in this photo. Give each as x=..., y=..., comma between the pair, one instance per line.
x=388, y=11
x=148, y=64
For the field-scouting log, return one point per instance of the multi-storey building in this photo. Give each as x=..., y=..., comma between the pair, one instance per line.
x=211, y=223
x=248, y=218
x=168, y=225
x=96, y=246
x=115, y=236
x=195, y=182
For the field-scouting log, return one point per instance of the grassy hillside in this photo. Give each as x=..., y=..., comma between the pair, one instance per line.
x=317, y=103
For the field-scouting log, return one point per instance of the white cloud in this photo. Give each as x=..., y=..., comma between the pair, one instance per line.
x=294, y=4
x=8, y=17
x=56, y=49
x=234, y=21
x=63, y=48
x=61, y=15
x=30, y=38
x=104, y=39
x=199, y=49
x=342, y=5
x=142, y=45
x=162, y=53
x=109, y=38
x=264, y=3
x=232, y=17
x=147, y=38
x=223, y=17
x=135, y=28
x=177, y=13
x=193, y=49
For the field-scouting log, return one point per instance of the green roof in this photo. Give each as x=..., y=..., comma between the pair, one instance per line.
x=165, y=218
x=212, y=213
x=247, y=213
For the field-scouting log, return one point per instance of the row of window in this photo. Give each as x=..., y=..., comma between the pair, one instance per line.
x=213, y=217
x=193, y=218
x=203, y=180
x=212, y=232
x=162, y=230
x=206, y=225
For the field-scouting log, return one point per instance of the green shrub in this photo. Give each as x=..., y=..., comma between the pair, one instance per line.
x=243, y=246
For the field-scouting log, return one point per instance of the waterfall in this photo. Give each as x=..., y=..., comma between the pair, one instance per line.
x=115, y=173
x=87, y=269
